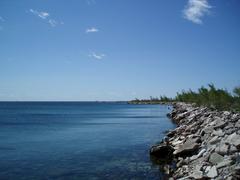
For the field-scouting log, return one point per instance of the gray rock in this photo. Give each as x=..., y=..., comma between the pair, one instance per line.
x=201, y=153
x=222, y=149
x=230, y=125
x=194, y=157
x=226, y=113
x=230, y=178
x=214, y=140
x=180, y=163
x=197, y=174
x=207, y=130
x=237, y=125
x=215, y=158
x=212, y=173
x=234, y=139
x=232, y=149
x=224, y=163
x=230, y=131
x=218, y=133
x=220, y=124
x=188, y=147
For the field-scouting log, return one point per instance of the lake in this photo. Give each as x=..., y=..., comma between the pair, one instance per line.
x=80, y=140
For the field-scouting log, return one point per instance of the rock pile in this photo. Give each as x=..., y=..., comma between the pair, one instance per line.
x=205, y=145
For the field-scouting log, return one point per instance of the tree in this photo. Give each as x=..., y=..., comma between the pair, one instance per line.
x=236, y=91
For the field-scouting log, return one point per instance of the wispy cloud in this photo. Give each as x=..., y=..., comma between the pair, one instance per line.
x=195, y=10
x=2, y=19
x=42, y=14
x=46, y=17
x=96, y=56
x=90, y=2
x=52, y=22
x=91, y=30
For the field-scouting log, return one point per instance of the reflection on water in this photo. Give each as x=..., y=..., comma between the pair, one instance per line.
x=79, y=140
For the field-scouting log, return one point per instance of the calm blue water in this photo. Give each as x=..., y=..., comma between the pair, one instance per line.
x=79, y=140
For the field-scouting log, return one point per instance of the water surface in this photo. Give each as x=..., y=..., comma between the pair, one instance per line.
x=79, y=140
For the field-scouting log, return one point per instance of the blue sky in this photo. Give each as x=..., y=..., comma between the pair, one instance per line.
x=116, y=50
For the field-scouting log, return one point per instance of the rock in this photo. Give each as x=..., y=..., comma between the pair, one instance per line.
x=162, y=151
x=207, y=130
x=180, y=163
x=230, y=131
x=230, y=125
x=212, y=173
x=222, y=149
x=171, y=133
x=197, y=175
x=187, y=148
x=201, y=153
x=194, y=157
x=219, y=133
x=234, y=139
x=166, y=169
x=226, y=113
x=220, y=124
x=205, y=144
x=237, y=125
x=230, y=178
x=214, y=140
x=175, y=143
x=237, y=169
x=232, y=149
x=215, y=158
x=224, y=163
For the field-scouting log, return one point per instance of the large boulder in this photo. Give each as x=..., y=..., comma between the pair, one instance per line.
x=188, y=148
x=162, y=151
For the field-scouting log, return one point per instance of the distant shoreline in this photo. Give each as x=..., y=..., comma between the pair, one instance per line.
x=148, y=102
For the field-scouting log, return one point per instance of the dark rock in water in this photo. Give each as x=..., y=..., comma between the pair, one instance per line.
x=162, y=151
x=169, y=115
x=171, y=133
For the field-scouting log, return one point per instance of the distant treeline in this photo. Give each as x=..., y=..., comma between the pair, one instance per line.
x=211, y=96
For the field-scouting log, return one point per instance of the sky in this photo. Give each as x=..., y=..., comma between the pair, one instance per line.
x=87, y=50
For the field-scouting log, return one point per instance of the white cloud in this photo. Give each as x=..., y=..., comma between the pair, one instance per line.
x=97, y=56
x=42, y=14
x=46, y=17
x=92, y=30
x=195, y=10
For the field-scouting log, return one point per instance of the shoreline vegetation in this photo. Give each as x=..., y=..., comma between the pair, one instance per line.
x=210, y=97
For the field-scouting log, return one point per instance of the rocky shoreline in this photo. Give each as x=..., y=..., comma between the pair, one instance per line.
x=205, y=144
